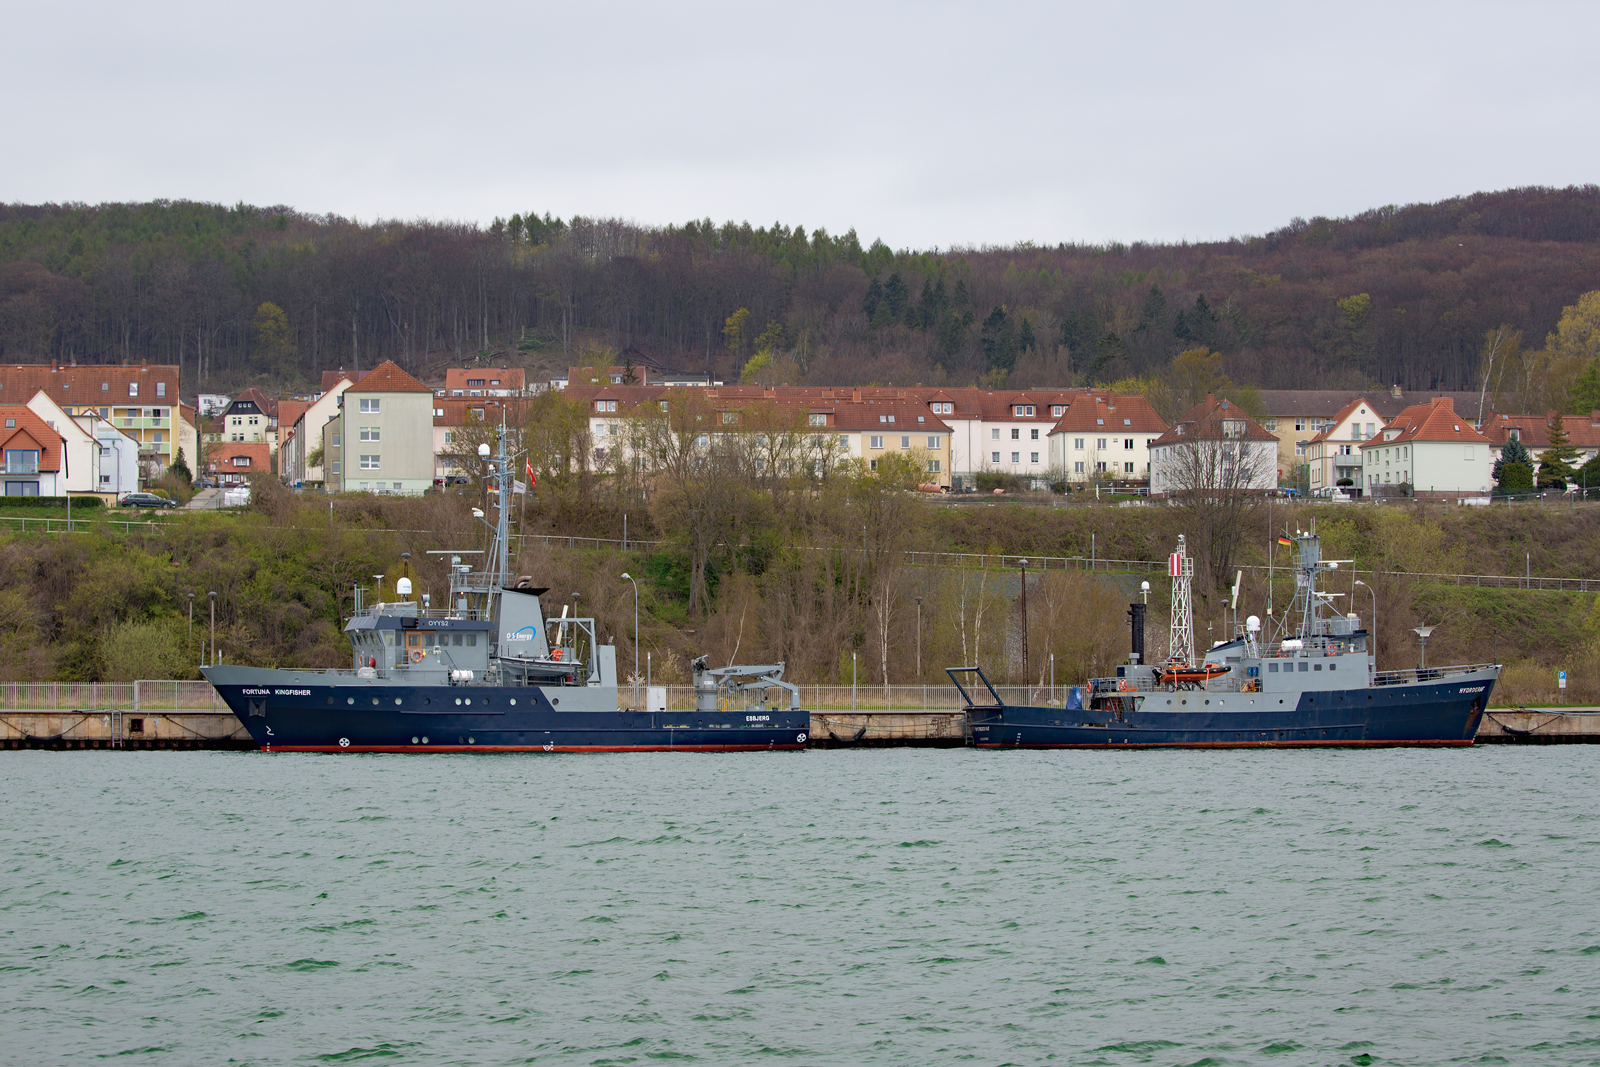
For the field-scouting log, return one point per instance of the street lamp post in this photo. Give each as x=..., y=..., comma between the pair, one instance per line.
x=1422, y=633
x=629, y=577
x=1022, y=563
x=213, y=596
x=191, y=620
x=919, y=639
x=1372, y=630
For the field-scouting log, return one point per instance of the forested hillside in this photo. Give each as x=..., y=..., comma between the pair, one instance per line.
x=1394, y=295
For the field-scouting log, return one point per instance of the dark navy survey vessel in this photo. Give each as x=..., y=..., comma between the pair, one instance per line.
x=1317, y=685
x=488, y=672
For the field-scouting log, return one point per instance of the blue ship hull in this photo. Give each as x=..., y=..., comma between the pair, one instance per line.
x=399, y=718
x=1446, y=712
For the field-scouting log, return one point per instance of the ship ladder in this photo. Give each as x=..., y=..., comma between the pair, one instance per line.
x=116, y=729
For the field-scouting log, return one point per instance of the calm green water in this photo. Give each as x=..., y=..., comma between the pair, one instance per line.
x=897, y=907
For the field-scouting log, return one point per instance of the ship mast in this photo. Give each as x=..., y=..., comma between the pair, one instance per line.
x=1180, y=567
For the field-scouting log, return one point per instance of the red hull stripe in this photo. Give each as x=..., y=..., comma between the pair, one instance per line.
x=1114, y=745
x=534, y=748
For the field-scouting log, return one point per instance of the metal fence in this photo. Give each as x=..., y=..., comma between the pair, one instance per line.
x=156, y=695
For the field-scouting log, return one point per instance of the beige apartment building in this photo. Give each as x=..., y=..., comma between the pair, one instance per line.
x=385, y=433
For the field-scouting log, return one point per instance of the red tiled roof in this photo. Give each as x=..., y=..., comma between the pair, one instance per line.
x=264, y=403
x=332, y=378
x=80, y=384
x=1583, y=431
x=289, y=412
x=386, y=377
x=509, y=377
x=1204, y=422
x=1434, y=421
x=219, y=457
x=21, y=428
x=456, y=408
x=1086, y=411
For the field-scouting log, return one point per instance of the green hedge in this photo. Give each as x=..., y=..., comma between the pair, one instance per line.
x=57, y=502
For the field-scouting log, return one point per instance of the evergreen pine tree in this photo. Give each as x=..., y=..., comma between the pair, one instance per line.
x=1513, y=452
x=1555, y=462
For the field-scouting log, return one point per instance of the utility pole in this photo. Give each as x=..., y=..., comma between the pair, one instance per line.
x=919, y=639
x=213, y=596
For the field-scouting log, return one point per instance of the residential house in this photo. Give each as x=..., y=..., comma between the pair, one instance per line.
x=1105, y=437
x=1334, y=454
x=452, y=414
x=250, y=418
x=1428, y=451
x=302, y=434
x=141, y=401
x=82, y=453
x=1583, y=434
x=483, y=381
x=1295, y=416
x=32, y=454
x=117, y=457
x=232, y=462
x=1214, y=448
x=386, y=429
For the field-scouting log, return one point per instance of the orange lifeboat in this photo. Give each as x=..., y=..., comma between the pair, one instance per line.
x=1181, y=672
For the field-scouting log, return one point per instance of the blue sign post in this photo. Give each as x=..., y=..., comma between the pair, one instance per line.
x=1561, y=679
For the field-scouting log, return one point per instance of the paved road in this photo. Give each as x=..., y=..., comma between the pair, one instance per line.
x=204, y=499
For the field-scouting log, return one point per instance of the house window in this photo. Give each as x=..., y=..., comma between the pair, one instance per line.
x=729, y=418
x=1099, y=422
x=1077, y=468
x=1127, y=468
x=1100, y=467
x=369, y=463
x=1056, y=410
x=105, y=387
x=335, y=468
x=994, y=457
x=663, y=404
x=994, y=435
x=905, y=442
x=370, y=405
x=1033, y=457
x=1100, y=443
x=474, y=381
x=933, y=466
x=1077, y=443
x=241, y=461
x=1016, y=434
x=1016, y=457
x=933, y=442
x=133, y=388
x=1033, y=435
x=1270, y=424
x=872, y=464
x=818, y=420
x=22, y=461
x=22, y=489
x=875, y=442
x=1127, y=422
x=844, y=442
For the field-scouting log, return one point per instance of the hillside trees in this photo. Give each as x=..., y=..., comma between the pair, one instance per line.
x=1397, y=295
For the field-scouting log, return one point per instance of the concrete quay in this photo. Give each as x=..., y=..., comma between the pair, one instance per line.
x=1536, y=726
x=182, y=729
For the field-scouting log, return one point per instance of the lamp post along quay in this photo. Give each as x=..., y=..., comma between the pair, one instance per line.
x=1023, y=564
x=630, y=578
x=213, y=596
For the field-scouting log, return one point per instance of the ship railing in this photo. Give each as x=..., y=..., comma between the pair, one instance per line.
x=1225, y=684
x=1414, y=675
x=476, y=614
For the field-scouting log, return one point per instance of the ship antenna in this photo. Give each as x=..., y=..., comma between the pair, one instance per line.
x=1180, y=567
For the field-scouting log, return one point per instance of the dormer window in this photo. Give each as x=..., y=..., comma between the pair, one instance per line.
x=1056, y=411
x=1099, y=422
x=1232, y=428
x=605, y=405
x=1024, y=411
x=1514, y=434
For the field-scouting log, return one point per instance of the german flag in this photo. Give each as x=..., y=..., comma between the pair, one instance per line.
x=1285, y=542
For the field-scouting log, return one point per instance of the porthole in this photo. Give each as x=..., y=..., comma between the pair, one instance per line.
x=513, y=701
x=349, y=700
x=330, y=700
x=374, y=701
x=472, y=740
x=458, y=701
x=424, y=740
x=469, y=702
x=397, y=702
x=413, y=740
x=461, y=740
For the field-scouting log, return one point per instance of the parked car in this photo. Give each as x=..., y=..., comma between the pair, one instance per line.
x=146, y=500
x=205, y=483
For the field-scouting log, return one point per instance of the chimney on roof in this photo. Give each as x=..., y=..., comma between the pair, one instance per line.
x=1394, y=391
x=855, y=394
x=1210, y=399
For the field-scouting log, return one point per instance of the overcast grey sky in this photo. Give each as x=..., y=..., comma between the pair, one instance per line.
x=926, y=124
